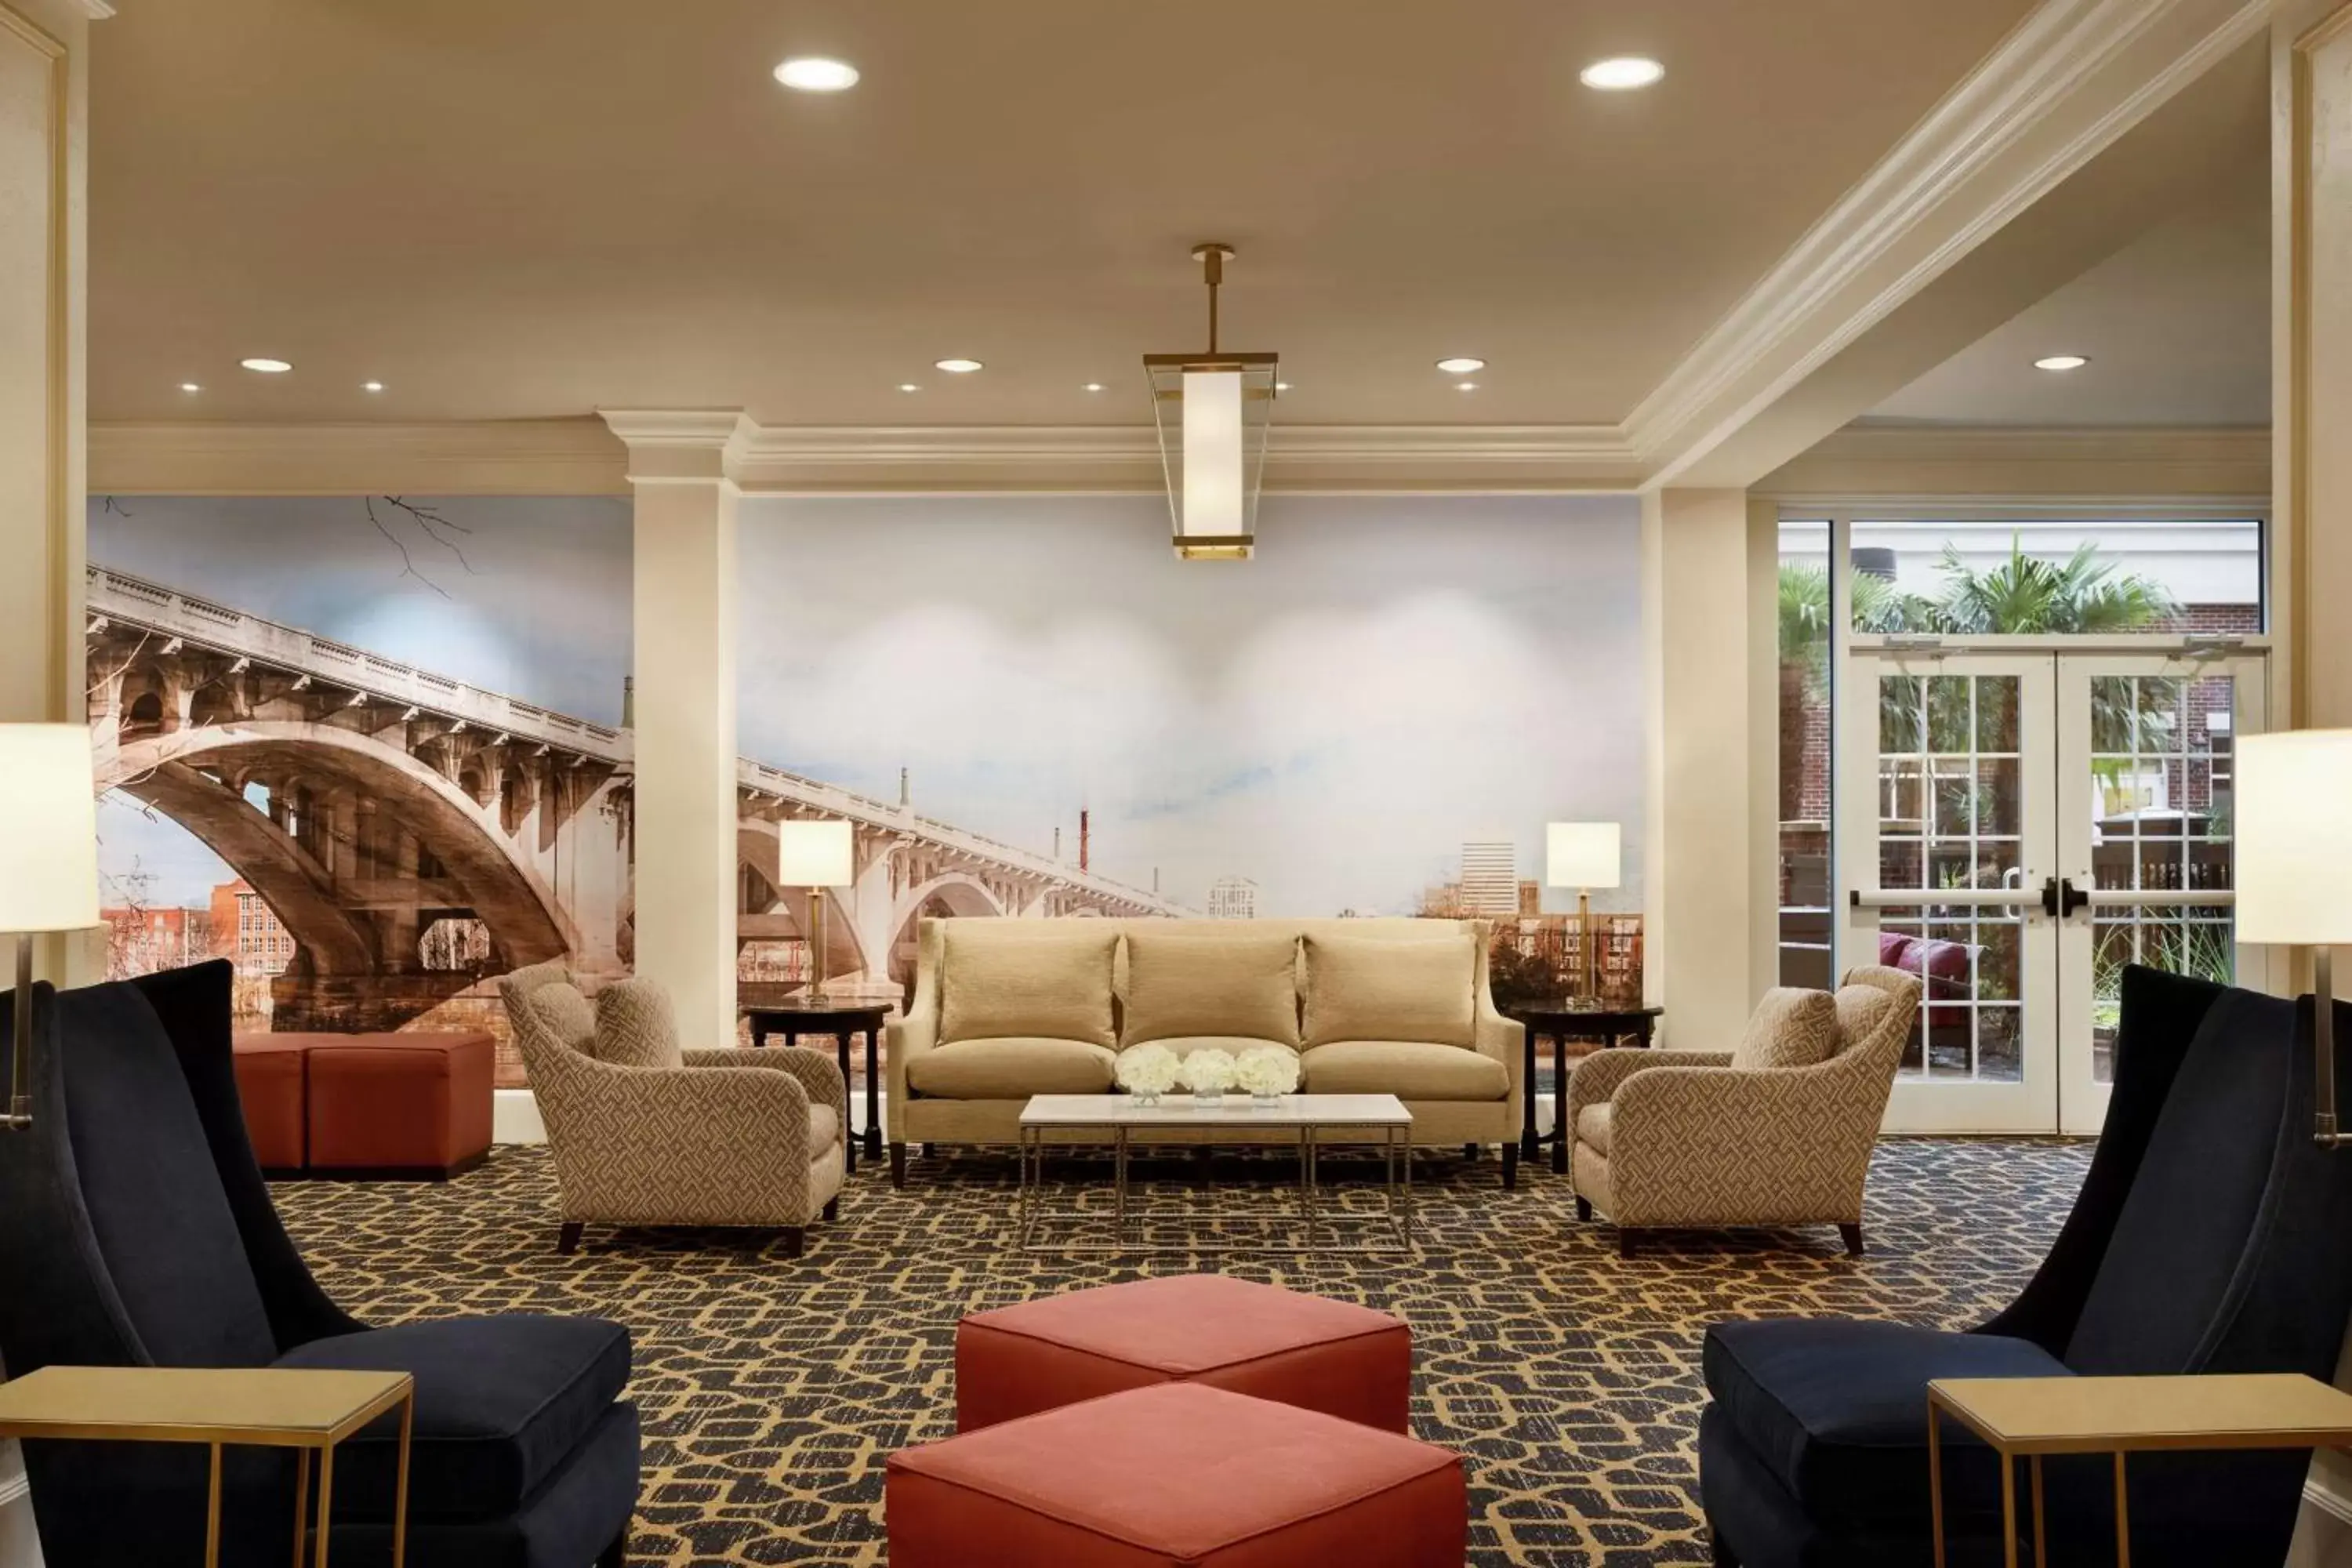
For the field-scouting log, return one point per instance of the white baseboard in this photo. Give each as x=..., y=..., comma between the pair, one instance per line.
x=2323, y=1535
x=20, y=1544
x=514, y=1119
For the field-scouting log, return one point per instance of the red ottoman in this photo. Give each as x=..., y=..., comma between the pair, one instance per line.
x=400, y=1105
x=270, y=1085
x=1260, y=1340
x=1176, y=1476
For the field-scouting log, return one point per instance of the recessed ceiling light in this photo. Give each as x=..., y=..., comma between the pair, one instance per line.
x=1466, y=386
x=815, y=73
x=2062, y=361
x=1621, y=73
x=1282, y=386
x=909, y=386
x=371, y=386
x=190, y=386
x=267, y=366
x=1461, y=365
x=1094, y=387
x=958, y=366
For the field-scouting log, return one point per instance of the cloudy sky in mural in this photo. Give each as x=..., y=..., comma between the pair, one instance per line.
x=1388, y=680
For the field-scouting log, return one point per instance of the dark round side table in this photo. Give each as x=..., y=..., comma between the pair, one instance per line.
x=793, y=1019
x=1563, y=1023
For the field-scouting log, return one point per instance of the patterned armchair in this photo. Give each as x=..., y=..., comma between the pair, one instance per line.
x=1777, y=1133
x=645, y=1133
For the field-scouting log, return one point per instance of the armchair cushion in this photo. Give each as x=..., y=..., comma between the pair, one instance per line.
x=1190, y=982
x=1409, y=1069
x=998, y=982
x=1374, y=988
x=501, y=1402
x=1837, y=1409
x=1012, y=1067
x=1595, y=1125
x=824, y=1129
x=635, y=1027
x=565, y=1014
x=1790, y=1029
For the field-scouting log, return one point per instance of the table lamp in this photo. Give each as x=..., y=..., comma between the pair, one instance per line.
x=1584, y=856
x=48, y=867
x=816, y=855
x=2293, y=823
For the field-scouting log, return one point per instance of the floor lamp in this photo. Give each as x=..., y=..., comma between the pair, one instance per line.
x=2293, y=824
x=1584, y=856
x=814, y=855
x=48, y=868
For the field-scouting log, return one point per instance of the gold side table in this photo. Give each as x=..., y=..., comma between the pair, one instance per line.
x=270, y=1407
x=2031, y=1416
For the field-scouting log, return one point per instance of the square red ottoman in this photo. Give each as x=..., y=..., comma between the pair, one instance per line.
x=1343, y=1360
x=1176, y=1476
x=272, y=1087
x=400, y=1105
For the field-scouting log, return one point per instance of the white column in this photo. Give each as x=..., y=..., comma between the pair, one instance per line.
x=1707, y=904
x=684, y=635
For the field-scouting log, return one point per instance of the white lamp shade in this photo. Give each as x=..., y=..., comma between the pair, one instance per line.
x=49, y=830
x=1212, y=454
x=2293, y=822
x=813, y=855
x=1581, y=854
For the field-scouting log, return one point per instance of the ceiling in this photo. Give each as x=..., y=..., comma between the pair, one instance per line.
x=540, y=207
x=2177, y=326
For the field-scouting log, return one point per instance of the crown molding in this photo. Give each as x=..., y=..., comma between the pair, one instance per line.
x=1900, y=461
x=521, y=457
x=2070, y=79
x=99, y=10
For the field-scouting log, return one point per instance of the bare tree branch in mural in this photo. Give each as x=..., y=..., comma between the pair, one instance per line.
x=108, y=504
x=432, y=522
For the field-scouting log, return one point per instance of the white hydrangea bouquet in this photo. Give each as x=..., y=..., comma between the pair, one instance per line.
x=1208, y=1073
x=1266, y=1071
x=1148, y=1072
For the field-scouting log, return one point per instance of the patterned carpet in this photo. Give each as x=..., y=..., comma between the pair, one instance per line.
x=772, y=1389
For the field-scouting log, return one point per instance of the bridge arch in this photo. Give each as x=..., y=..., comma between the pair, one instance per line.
x=196, y=777
x=948, y=893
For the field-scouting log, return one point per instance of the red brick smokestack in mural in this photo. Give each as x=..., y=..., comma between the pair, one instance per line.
x=1083, y=833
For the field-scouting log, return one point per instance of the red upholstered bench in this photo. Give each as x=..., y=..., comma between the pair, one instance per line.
x=1176, y=1476
x=273, y=1089
x=384, y=1105
x=1343, y=1360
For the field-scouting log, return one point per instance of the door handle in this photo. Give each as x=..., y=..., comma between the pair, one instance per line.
x=2061, y=898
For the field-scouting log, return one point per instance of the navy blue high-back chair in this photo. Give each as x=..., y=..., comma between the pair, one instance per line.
x=2212, y=1235
x=135, y=1230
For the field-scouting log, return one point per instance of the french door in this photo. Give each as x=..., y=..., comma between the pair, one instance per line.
x=2016, y=827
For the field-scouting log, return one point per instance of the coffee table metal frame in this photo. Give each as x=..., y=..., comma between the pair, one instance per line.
x=1378, y=1119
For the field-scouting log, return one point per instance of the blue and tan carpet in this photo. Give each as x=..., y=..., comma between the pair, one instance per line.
x=773, y=1389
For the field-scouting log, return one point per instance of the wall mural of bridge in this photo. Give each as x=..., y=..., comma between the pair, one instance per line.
x=416, y=836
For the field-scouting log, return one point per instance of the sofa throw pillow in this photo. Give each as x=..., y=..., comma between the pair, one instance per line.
x=635, y=1028
x=1380, y=988
x=566, y=1014
x=1790, y=1029
x=1050, y=981
x=1184, y=983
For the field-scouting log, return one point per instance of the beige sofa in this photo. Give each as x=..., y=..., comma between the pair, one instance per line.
x=1006, y=1008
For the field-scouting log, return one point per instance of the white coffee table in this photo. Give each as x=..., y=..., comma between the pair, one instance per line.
x=1304, y=1121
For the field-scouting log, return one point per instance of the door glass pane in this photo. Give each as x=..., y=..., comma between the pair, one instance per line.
x=1950, y=812
x=1804, y=755
x=2160, y=787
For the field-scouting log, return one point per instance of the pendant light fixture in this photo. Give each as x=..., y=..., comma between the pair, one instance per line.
x=1211, y=409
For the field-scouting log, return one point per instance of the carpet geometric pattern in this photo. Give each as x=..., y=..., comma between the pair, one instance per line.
x=773, y=1390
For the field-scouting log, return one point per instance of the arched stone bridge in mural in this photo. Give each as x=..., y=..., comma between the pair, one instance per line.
x=366, y=800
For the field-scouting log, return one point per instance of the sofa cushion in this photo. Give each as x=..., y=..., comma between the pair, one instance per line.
x=1594, y=1125
x=1004, y=979
x=1189, y=981
x=1790, y=1029
x=1837, y=1408
x=1012, y=1067
x=1374, y=988
x=635, y=1028
x=567, y=1014
x=501, y=1402
x=1409, y=1069
x=1232, y=1045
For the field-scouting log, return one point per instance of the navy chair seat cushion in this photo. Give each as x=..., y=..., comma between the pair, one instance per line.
x=501, y=1403
x=1836, y=1410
